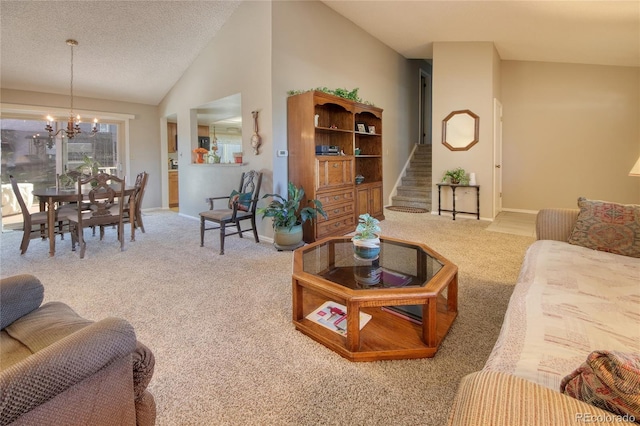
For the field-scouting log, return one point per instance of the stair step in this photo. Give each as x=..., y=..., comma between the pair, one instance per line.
x=417, y=173
x=420, y=192
x=416, y=181
x=398, y=200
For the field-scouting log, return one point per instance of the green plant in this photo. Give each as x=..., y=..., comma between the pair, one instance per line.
x=88, y=167
x=367, y=227
x=286, y=212
x=456, y=176
x=351, y=95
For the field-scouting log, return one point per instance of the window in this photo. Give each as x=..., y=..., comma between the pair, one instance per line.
x=31, y=155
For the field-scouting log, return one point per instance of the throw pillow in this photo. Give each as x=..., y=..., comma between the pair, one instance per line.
x=606, y=226
x=243, y=199
x=608, y=380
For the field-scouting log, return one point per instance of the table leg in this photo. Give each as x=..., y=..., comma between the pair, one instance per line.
x=439, y=208
x=429, y=322
x=51, y=223
x=453, y=191
x=353, y=327
x=478, y=202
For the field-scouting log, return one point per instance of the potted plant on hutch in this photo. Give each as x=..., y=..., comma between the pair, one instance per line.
x=288, y=217
x=366, y=241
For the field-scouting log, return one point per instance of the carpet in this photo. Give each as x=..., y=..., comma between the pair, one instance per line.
x=404, y=209
x=220, y=326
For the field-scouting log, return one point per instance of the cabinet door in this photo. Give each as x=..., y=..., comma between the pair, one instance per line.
x=333, y=172
x=376, y=205
x=173, y=189
x=172, y=137
x=369, y=200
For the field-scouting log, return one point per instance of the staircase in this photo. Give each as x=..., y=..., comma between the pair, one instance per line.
x=415, y=189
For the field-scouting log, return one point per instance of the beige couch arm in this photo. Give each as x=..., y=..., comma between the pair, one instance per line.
x=555, y=224
x=493, y=398
x=19, y=294
x=52, y=370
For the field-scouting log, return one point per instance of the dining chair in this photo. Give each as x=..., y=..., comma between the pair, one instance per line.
x=103, y=208
x=138, y=194
x=240, y=206
x=34, y=224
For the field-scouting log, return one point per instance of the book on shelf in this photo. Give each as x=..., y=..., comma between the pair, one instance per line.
x=411, y=313
x=333, y=316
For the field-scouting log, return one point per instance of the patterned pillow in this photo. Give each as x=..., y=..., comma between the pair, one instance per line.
x=610, y=227
x=243, y=198
x=608, y=380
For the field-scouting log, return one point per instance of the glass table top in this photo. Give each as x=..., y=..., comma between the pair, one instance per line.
x=399, y=265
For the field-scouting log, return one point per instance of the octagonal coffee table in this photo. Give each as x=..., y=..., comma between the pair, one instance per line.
x=405, y=276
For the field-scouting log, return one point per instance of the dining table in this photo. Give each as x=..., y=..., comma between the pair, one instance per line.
x=51, y=198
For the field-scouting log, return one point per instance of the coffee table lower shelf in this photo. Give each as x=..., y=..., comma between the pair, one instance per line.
x=384, y=337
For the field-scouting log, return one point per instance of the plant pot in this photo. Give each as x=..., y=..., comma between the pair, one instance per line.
x=367, y=249
x=285, y=238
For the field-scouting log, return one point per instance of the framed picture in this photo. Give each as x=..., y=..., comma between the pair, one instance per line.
x=361, y=127
x=372, y=129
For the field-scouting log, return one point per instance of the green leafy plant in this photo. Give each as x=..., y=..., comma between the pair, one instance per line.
x=367, y=228
x=88, y=167
x=351, y=95
x=286, y=212
x=456, y=176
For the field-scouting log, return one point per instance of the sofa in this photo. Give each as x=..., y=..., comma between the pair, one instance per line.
x=576, y=303
x=57, y=368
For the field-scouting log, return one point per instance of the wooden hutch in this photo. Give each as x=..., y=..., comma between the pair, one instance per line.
x=331, y=178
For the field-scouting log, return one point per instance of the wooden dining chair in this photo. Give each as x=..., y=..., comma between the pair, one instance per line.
x=103, y=208
x=239, y=206
x=34, y=224
x=138, y=194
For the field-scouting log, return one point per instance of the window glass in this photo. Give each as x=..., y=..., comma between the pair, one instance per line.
x=31, y=155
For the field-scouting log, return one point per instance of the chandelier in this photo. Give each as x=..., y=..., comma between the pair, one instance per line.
x=73, y=124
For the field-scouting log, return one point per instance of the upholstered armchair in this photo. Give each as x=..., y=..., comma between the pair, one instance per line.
x=57, y=368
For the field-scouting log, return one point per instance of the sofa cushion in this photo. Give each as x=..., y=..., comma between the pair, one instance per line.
x=606, y=226
x=19, y=295
x=609, y=380
x=569, y=301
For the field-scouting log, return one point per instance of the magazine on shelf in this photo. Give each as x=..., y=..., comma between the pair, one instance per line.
x=411, y=313
x=333, y=316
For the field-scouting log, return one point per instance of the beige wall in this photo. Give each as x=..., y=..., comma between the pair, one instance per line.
x=144, y=135
x=237, y=60
x=569, y=130
x=464, y=76
x=314, y=46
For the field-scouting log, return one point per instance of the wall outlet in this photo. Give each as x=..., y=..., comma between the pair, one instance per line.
x=283, y=153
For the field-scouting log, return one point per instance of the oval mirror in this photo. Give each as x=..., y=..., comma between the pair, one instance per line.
x=460, y=130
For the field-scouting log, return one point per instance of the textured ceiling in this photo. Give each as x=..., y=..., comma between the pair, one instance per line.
x=132, y=51
x=135, y=51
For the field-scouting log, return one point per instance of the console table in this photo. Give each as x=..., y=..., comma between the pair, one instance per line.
x=453, y=192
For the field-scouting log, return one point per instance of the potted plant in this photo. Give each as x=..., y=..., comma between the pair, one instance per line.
x=89, y=167
x=456, y=176
x=288, y=217
x=366, y=241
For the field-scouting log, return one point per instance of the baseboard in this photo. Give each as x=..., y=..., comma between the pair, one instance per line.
x=520, y=211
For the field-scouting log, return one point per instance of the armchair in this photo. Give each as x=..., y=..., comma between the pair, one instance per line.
x=57, y=368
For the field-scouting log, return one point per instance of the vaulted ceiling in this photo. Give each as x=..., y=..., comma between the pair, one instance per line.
x=135, y=51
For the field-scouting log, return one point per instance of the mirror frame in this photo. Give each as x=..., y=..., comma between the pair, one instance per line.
x=476, y=130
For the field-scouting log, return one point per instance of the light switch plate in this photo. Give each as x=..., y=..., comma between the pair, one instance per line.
x=283, y=153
